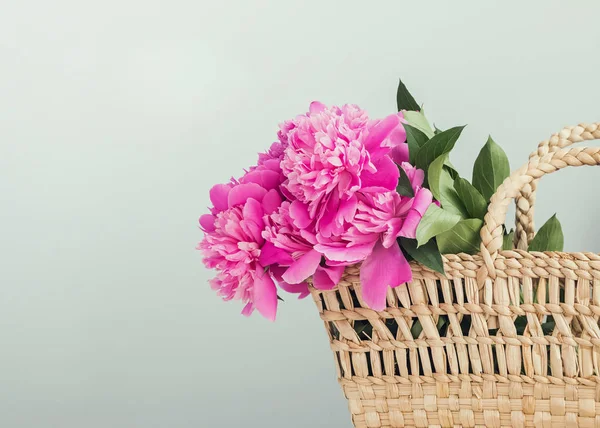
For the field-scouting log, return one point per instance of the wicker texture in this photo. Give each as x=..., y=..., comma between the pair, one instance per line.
x=488, y=373
x=524, y=231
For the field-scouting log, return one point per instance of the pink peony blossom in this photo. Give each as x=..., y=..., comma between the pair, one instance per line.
x=340, y=171
x=369, y=235
x=393, y=215
x=321, y=198
x=293, y=250
x=334, y=152
x=233, y=243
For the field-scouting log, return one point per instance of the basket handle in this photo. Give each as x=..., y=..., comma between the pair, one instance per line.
x=524, y=230
x=491, y=232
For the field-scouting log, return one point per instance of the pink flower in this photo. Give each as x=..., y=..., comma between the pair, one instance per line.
x=368, y=236
x=340, y=170
x=293, y=250
x=275, y=152
x=233, y=244
x=334, y=152
x=393, y=215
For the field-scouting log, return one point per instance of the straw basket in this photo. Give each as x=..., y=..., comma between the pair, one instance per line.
x=521, y=342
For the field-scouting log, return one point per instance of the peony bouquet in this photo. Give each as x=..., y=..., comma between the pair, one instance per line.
x=339, y=188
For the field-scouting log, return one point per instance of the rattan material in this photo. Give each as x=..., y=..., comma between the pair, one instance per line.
x=524, y=231
x=487, y=375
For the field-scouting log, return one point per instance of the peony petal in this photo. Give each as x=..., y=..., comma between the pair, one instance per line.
x=347, y=209
x=386, y=176
x=300, y=289
x=400, y=153
x=415, y=175
x=316, y=107
x=207, y=222
x=299, y=214
x=253, y=210
x=242, y=192
x=264, y=178
x=326, y=224
x=277, y=272
x=378, y=133
x=271, y=201
x=352, y=254
x=248, y=309
x=270, y=254
x=327, y=277
x=398, y=135
x=384, y=267
x=302, y=268
x=218, y=196
x=264, y=294
x=420, y=203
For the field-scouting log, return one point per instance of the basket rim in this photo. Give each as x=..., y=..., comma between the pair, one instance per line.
x=509, y=263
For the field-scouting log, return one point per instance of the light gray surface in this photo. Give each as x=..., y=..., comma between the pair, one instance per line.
x=117, y=117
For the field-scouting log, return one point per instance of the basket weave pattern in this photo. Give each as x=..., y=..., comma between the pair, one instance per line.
x=487, y=374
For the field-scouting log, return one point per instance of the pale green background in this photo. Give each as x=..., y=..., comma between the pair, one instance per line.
x=117, y=116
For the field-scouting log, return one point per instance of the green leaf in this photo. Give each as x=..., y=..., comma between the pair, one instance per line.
x=416, y=329
x=490, y=169
x=462, y=238
x=419, y=121
x=473, y=201
x=415, y=140
x=428, y=254
x=404, y=99
x=437, y=146
x=435, y=221
x=441, y=184
x=436, y=130
x=508, y=240
x=436, y=178
x=520, y=324
x=404, y=187
x=450, y=168
x=365, y=328
x=549, y=326
x=549, y=237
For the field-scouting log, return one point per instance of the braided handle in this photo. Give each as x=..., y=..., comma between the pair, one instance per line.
x=491, y=232
x=524, y=231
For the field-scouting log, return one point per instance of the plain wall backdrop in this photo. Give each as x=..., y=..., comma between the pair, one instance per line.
x=116, y=118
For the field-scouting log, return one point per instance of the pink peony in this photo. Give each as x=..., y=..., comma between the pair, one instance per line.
x=293, y=249
x=233, y=243
x=321, y=198
x=393, y=215
x=334, y=152
x=340, y=169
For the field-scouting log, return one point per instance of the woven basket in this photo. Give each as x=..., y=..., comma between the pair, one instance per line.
x=492, y=373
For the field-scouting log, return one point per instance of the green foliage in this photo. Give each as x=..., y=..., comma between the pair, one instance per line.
x=437, y=145
x=462, y=238
x=549, y=237
x=435, y=221
x=455, y=225
x=490, y=169
x=427, y=254
x=508, y=240
x=441, y=184
x=404, y=187
x=474, y=203
x=417, y=119
x=415, y=139
x=404, y=99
